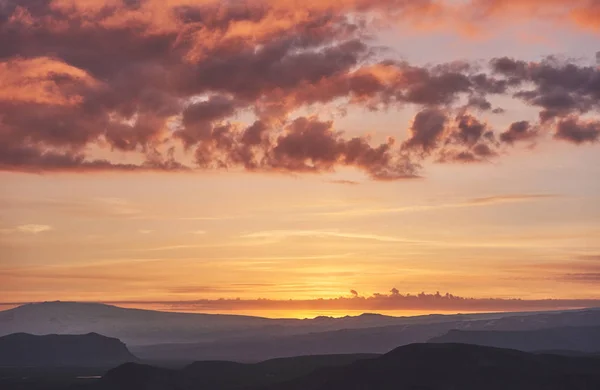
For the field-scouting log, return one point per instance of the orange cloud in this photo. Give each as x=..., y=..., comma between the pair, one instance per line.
x=43, y=80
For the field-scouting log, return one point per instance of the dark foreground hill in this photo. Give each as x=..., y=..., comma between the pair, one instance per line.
x=89, y=350
x=412, y=367
x=581, y=339
x=456, y=366
x=220, y=375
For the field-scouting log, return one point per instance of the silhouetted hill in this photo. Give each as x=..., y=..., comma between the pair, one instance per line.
x=132, y=376
x=21, y=349
x=219, y=374
x=455, y=366
x=581, y=339
x=412, y=367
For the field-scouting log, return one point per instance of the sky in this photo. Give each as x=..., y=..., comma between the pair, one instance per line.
x=291, y=158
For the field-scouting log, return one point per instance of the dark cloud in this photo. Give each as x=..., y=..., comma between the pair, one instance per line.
x=477, y=154
x=309, y=145
x=469, y=131
x=433, y=89
x=559, y=87
x=34, y=159
x=464, y=139
x=519, y=131
x=427, y=130
x=577, y=131
x=515, y=70
x=198, y=119
x=305, y=145
x=480, y=103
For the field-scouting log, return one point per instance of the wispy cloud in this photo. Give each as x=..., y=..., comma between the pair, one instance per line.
x=27, y=229
x=198, y=232
x=183, y=246
x=172, y=247
x=510, y=199
x=117, y=206
x=99, y=207
x=67, y=274
x=216, y=217
x=474, y=202
x=144, y=231
x=284, y=234
x=582, y=278
x=346, y=182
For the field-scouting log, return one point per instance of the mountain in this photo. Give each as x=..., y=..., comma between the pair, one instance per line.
x=581, y=339
x=376, y=340
x=21, y=349
x=455, y=366
x=144, y=327
x=132, y=326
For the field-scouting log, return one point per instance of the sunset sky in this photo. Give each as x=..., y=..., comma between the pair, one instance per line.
x=183, y=154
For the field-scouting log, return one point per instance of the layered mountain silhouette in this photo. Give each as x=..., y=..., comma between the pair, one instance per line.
x=412, y=367
x=376, y=340
x=22, y=349
x=582, y=339
x=146, y=327
x=153, y=335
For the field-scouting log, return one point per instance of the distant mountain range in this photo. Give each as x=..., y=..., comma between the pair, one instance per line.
x=412, y=367
x=153, y=335
x=143, y=327
x=91, y=350
x=581, y=339
x=349, y=341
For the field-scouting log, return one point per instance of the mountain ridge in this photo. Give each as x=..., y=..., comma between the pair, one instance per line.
x=571, y=338
x=84, y=350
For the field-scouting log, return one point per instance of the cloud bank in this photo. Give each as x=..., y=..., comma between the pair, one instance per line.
x=393, y=301
x=203, y=84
